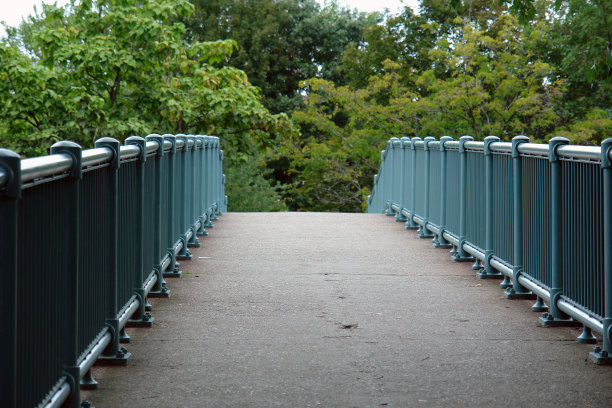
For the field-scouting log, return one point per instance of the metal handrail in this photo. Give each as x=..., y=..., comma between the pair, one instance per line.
x=45, y=166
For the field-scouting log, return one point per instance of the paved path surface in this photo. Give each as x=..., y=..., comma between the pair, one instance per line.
x=343, y=310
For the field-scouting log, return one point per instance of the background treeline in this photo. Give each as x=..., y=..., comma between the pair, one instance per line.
x=304, y=97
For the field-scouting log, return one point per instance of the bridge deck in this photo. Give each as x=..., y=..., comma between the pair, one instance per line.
x=311, y=309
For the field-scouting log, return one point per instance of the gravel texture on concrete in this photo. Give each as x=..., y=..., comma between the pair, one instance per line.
x=343, y=310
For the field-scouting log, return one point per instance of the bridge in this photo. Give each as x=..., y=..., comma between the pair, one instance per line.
x=141, y=308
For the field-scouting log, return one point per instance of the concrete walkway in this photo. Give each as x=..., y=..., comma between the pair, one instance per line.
x=343, y=310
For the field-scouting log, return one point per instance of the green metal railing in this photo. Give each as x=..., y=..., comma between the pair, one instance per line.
x=537, y=215
x=85, y=238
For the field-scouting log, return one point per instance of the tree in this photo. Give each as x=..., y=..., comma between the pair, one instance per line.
x=498, y=84
x=121, y=67
x=280, y=42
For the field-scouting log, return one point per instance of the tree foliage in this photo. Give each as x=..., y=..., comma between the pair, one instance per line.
x=281, y=42
x=348, y=80
x=120, y=67
x=465, y=67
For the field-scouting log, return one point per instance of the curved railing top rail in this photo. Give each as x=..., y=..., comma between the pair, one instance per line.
x=567, y=151
x=55, y=164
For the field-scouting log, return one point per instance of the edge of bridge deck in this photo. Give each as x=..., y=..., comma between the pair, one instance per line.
x=321, y=309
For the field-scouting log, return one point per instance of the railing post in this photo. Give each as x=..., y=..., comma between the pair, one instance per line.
x=160, y=289
x=410, y=224
x=215, y=178
x=440, y=241
x=70, y=283
x=404, y=141
x=487, y=270
x=556, y=317
x=208, y=180
x=603, y=355
x=516, y=291
x=194, y=194
x=221, y=183
x=423, y=231
x=10, y=163
x=201, y=187
x=174, y=270
x=383, y=183
x=390, y=177
x=114, y=354
x=181, y=201
x=140, y=318
x=460, y=254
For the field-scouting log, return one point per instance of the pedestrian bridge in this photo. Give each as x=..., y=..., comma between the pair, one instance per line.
x=118, y=291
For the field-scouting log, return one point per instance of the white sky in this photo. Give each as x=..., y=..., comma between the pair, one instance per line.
x=12, y=11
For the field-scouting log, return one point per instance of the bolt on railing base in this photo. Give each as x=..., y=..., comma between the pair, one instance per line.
x=600, y=356
x=548, y=320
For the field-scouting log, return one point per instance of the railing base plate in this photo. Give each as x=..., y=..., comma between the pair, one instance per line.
x=439, y=245
x=482, y=274
x=121, y=358
x=173, y=274
x=164, y=293
x=510, y=293
x=146, y=321
x=600, y=356
x=548, y=320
